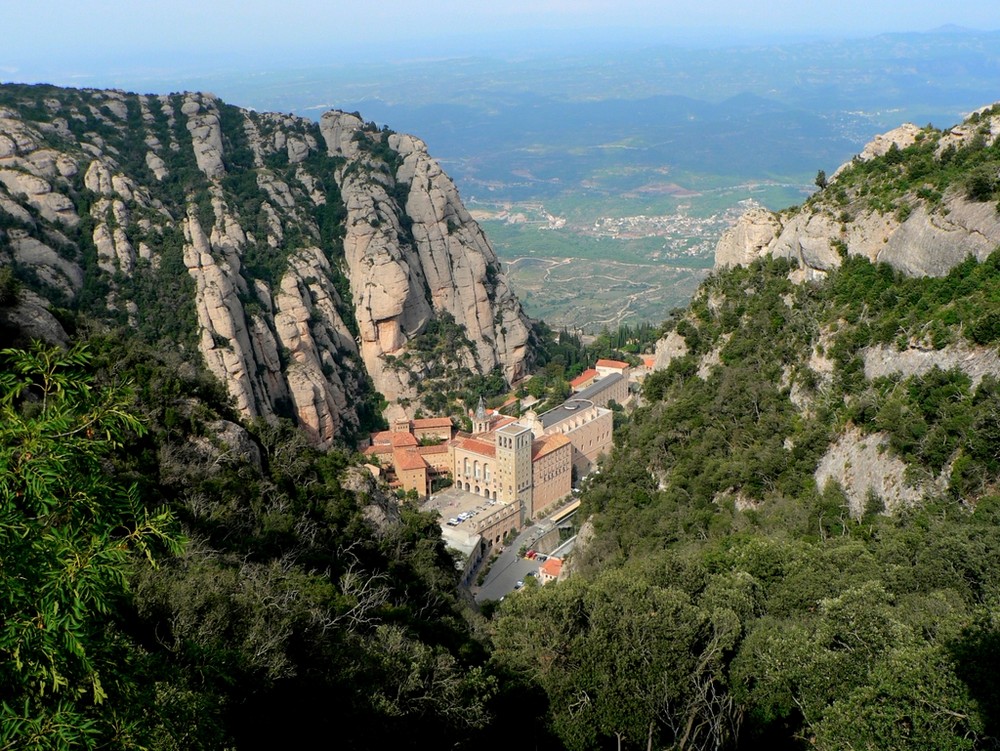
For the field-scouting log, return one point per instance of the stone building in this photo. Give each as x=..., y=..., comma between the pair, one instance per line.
x=551, y=472
x=529, y=462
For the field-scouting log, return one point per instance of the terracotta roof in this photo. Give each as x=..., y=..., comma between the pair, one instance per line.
x=478, y=447
x=649, y=361
x=501, y=421
x=433, y=422
x=612, y=364
x=585, y=376
x=441, y=448
x=547, y=444
x=378, y=450
x=552, y=567
x=405, y=460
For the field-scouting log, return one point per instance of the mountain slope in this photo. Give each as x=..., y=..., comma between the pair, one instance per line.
x=298, y=259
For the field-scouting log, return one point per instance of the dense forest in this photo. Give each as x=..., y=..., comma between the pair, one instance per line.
x=173, y=579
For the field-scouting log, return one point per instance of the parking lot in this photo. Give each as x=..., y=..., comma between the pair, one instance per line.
x=458, y=507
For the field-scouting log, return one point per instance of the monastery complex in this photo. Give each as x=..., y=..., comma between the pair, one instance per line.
x=520, y=466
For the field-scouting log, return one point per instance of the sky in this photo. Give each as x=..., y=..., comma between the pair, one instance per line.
x=63, y=38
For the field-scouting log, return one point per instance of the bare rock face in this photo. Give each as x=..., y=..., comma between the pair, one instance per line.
x=669, y=347
x=460, y=266
x=901, y=137
x=751, y=237
x=31, y=315
x=417, y=254
x=861, y=465
x=929, y=244
x=975, y=362
x=309, y=328
x=206, y=133
x=381, y=510
x=297, y=260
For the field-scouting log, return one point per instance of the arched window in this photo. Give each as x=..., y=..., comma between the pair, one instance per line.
x=466, y=466
x=486, y=471
x=476, y=468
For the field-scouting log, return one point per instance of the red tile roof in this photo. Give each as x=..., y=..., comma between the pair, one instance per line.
x=398, y=440
x=441, y=448
x=406, y=460
x=547, y=444
x=612, y=364
x=588, y=375
x=501, y=421
x=552, y=567
x=478, y=447
x=432, y=422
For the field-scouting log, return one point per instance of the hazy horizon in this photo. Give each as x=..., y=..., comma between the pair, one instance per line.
x=97, y=44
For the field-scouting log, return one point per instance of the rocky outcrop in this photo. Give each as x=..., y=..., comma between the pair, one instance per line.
x=671, y=346
x=748, y=239
x=416, y=254
x=901, y=137
x=975, y=362
x=298, y=260
x=868, y=473
x=918, y=238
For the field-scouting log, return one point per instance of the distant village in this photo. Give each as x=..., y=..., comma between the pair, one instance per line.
x=507, y=470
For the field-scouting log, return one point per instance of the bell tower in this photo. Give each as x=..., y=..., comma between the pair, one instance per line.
x=480, y=421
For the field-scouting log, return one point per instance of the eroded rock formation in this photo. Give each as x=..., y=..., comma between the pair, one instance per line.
x=298, y=260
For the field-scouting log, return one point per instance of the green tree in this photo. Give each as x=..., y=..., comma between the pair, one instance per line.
x=68, y=535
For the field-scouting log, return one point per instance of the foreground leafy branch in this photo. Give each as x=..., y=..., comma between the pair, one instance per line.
x=68, y=532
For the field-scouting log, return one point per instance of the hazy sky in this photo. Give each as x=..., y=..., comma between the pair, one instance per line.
x=42, y=36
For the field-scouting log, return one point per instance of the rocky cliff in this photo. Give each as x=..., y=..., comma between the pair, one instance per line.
x=918, y=199
x=298, y=260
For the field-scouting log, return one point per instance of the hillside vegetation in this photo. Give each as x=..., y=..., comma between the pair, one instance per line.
x=733, y=595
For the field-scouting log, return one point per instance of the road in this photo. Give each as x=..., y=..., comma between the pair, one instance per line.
x=508, y=569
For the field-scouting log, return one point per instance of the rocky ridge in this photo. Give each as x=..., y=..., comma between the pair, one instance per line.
x=297, y=259
x=926, y=233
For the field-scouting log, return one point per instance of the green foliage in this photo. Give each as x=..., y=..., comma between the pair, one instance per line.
x=69, y=534
x=9, y=287
x=861, y=631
